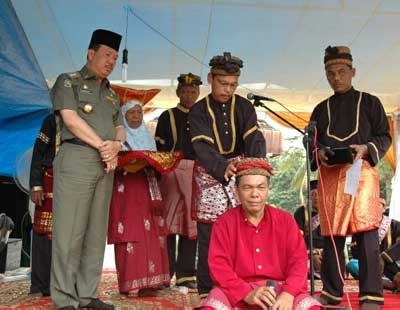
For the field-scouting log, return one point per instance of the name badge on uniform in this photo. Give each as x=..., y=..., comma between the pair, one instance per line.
x=113, y=100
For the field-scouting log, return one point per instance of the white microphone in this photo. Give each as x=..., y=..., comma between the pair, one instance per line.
x=252, y=96
x=124, y=65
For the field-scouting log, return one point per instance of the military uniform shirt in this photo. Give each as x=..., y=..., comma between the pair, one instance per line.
x=96, y=103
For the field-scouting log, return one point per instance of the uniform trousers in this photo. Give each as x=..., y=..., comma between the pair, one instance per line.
x=370, y=284
x=82, y=193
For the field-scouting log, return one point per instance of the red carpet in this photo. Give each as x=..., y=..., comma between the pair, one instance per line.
x=14, y=295
x=392, y=301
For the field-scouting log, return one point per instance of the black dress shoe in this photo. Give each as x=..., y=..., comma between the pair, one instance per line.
x=97, y=304
x=66, y=308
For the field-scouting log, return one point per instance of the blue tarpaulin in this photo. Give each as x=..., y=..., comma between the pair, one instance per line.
x=24, y=95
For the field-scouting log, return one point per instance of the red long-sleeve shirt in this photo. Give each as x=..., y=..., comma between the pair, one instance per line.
x=241, y=253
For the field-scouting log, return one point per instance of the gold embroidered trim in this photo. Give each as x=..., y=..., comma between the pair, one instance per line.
x=370, y=297
x=249, y=132
x=45, y=139
x=331, y=296
x=161, y=141
x=389, y=238
x=328, y=133
x=37, y=188
x=376, y=149
x=305, y=217
x=42, y=222
x=215, y=129
x=173, y=127
x=386, y=257
x=183, y=109
x=184, y=279
x=211, y=140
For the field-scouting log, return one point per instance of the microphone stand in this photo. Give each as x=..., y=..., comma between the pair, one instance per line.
x=305, y=133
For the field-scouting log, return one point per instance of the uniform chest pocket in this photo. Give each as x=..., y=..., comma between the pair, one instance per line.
x=87, y=102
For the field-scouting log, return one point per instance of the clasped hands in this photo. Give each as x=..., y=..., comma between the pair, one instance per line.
x=265, y=297
x=108, y=152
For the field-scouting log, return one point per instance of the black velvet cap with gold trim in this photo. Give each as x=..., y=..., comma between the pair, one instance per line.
x=226, y=64
x=105, y=37
x=338, y=55
x=189, y=79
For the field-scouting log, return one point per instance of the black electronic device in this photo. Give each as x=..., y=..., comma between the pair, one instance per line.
x=340, y=155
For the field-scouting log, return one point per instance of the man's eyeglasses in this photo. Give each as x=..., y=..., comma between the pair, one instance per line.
x=225, y=84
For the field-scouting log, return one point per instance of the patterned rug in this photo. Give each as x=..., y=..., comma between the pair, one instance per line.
x=14, y=295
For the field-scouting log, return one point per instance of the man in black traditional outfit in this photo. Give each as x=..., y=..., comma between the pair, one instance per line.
x=41, y=193
x=172, y=134
x=223, y=127
x=356, y=122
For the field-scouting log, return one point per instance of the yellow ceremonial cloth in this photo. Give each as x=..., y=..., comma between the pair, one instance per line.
x=343, y=213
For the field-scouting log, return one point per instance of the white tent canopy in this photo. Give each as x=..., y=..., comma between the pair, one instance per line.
x=281, y=42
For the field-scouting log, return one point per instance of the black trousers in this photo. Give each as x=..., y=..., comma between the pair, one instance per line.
x=182, y=263
x=370, y=281
x=204, y=282
x=41, y=262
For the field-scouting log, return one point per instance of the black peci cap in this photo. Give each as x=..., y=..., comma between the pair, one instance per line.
x=105, y=37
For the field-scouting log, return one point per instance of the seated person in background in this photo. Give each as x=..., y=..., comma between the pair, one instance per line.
x=389, y=264
x=257, y=254
x=389, y=239
x=302, y=220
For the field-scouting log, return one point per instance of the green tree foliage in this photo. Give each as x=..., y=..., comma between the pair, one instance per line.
x=284, y=192
x=386, y=174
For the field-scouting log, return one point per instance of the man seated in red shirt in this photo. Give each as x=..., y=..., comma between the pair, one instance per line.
x=257, y=254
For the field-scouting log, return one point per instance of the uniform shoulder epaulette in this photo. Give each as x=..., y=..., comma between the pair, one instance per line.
x=74, y=74
x=73, y=80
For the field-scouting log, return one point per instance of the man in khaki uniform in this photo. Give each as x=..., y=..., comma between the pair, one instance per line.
x=92, y=133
